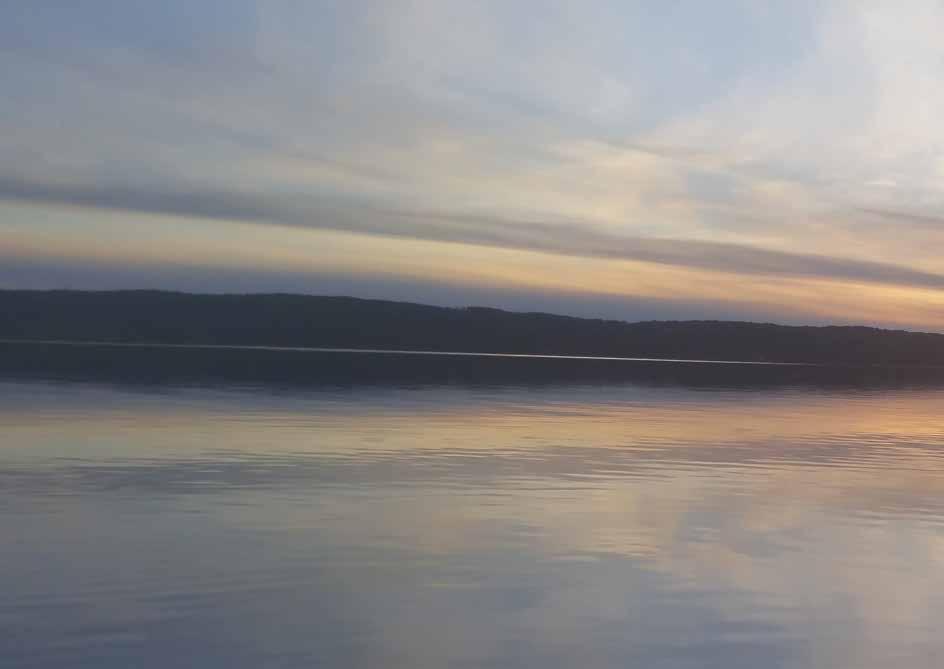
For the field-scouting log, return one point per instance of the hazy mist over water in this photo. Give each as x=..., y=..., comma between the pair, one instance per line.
x=355, y=510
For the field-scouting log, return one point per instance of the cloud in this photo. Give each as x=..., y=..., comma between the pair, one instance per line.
x=736, y=139
x=920, y=220
x=572, y=239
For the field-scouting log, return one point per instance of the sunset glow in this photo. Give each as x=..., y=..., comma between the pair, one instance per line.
x=776, y=163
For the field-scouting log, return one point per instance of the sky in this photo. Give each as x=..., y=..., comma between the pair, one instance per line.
x=776, y=161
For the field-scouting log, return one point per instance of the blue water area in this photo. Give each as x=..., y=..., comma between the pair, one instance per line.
x=244, y=508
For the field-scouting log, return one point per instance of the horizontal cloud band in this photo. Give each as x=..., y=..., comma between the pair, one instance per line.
x=559, y=238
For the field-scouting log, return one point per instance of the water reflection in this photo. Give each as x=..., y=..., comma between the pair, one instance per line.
x=596, y=524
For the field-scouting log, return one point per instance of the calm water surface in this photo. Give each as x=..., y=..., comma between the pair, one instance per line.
x=357, y=512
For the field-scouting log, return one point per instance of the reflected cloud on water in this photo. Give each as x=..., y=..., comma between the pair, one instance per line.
x=465, y=524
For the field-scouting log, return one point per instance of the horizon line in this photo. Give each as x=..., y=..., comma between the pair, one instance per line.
x=385, y=351
x=457, y=307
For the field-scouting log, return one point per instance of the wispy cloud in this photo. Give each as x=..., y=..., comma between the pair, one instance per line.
x=560, y=238
x=771, y=141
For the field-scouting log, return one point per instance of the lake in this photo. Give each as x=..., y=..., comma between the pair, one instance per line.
x=264, y=508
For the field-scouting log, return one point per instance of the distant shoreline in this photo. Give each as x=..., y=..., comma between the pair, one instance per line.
x=283, y=322
x=320, y=349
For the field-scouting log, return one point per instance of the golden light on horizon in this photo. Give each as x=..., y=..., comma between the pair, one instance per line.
x=152, y=240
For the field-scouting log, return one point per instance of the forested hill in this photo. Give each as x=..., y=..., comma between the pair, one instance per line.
x=345, y=322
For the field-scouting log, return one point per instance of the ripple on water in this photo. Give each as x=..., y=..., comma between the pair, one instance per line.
x=607, y=524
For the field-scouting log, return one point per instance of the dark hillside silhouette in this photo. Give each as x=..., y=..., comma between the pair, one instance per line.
x=346, y=322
